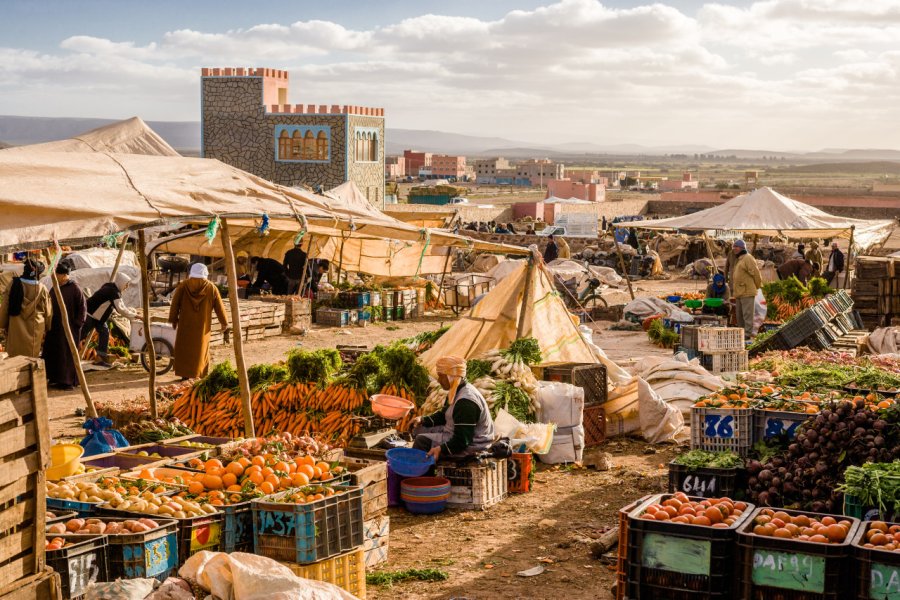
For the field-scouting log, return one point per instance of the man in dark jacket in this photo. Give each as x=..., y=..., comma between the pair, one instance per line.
x=551, y=252
x=294, y=264
x=835, y=263
x=800, y=268
x=269, y=270
x=99, y=309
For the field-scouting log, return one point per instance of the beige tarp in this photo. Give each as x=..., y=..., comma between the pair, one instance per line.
x=131, y=136
x=766, y=212
x=422, y=218
x=493, y=323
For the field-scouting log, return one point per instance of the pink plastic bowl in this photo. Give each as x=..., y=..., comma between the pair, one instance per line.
x=391, y=407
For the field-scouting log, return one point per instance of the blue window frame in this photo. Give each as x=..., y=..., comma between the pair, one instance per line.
x=303, y=143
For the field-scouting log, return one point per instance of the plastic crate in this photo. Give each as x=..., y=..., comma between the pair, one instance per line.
x=718, y=429
x=591, y=377
x=727, y=361
x=712, y=339
x=61, y=516
x=773, y=567
x=594, y=423
x=706, y=482
x=84, y=509
x=622, y=549
x=878, y=571
x=199, y=533
x=853, y=507
x=306, y=533
x=237, y=527
x=475, y=486
x=164, y=452
x=519, y=473
x=124, y=462
x=795, y=331
x=332, y=317
x=150, y=554
x=677, y=561
x=79, y=564
x=347, y=571
x=775, y=423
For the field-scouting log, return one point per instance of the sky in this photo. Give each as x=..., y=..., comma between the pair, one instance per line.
x=768, y=74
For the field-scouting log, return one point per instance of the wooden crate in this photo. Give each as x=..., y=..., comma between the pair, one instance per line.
x=25, y=456
x=475, y=486
x=42, y=586
x=371, y=476
x=376, y=540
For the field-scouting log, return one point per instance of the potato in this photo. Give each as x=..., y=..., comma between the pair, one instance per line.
x=113, y=528
x=139, y=528
x=125, y=505
x=74, y=524
x=209, y=509
x=149, y=523
x=152, y=509
x=165, y=510
x=57, y=528
x=95, y=499
x=96, y=528
x=179, y=514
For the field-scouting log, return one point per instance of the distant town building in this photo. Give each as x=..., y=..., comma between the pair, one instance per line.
x=687, y=182
x=247, y=123
x=566, y=188
x=580, y=175
x=417, y=162
x=539, y=171
x=394, y=167
x=499, y=171
x=444, y=166
x=488, y=169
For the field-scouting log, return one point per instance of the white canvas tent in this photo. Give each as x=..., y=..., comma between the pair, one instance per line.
x=131, y=136
x=493, y=322
x=766, y=212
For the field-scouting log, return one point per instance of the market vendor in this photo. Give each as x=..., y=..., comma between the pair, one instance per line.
x=465, y=427
x=718, y=289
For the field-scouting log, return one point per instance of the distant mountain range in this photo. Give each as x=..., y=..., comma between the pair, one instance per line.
x=184, y=136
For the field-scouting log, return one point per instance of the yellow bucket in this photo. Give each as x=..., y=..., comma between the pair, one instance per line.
x=64, y=460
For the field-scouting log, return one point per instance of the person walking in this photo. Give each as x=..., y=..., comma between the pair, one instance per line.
x=564, y=250
x=835, y=264
x=294, y=265
x=61, y=371
x=551, y=252
x=800, y=268
x=25, y=312
x=815, y=258
x=746, y=281
x=193, y=303
x=100, y=307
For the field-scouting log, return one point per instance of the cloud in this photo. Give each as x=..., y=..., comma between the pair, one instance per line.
x=570, y=70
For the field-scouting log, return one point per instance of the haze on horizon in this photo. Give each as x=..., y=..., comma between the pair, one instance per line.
x=777, y=74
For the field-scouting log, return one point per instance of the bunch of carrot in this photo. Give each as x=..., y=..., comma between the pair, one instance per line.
x=292, y=407
x=784, y=310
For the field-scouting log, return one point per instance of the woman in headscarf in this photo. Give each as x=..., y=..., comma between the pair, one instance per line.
x=100, y=307
x=564, y=250
x=193, y=303
x=26, y=312
x=465, y=426
x=57, y=356
x=718, y=289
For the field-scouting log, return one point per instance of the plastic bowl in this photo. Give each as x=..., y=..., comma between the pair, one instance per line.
x=391, y=407
x=714, y=302
x=425, y=495
x=409, y=462
x=674, y=299
x=693, y=303
x=64, y=460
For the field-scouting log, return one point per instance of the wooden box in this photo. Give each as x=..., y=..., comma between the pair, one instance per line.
x=371, y=476
x=43, y=586
x=25, y=457
x=376, y=539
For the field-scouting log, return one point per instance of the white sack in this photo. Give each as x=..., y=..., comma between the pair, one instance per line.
x=91, y=279
x=647, y=306
x=560, y=403
x=567, y=447
x=92, y=258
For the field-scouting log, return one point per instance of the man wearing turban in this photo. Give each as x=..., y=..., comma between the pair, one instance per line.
x=465, y=426
x=193, y=303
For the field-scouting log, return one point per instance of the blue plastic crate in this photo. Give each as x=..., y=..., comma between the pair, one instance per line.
x=237, y=527
x=84, y=509
x=151, y=554
x=305, y=533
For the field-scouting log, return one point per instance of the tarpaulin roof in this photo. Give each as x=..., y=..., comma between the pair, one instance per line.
x=493, y=322
x=766, y=212
x=131, y=136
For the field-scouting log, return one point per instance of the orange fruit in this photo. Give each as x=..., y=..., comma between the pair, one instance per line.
x=281, y=466
x=213, y=482
x=273, y=480
x=266, y=471
x=305, y=460
x=146, y=474
x=309, y=471
x=195, y=487
x=214, y=470
x=229, y=479
x=285, y=482
x=244, y=461
x=324, y=467
x=213, y=462
x=256, y=477
x=299, y=479
x=259, y=460
x=266, y=487
x=235, y=468
x=781, y=532
x=835, y=533
x=233, y=488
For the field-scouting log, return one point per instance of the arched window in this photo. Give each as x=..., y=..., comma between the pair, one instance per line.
x=373, y=147
x=322, y=146
x=284, y=145
x=296, y=146
x=309, y=146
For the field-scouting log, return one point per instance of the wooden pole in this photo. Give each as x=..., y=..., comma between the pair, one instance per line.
x=231, y=269
x=755, y=241
x=446, y=264
x=526, y=298
x=145, y=301
x=306, y=268
x=115, y=271
x=73, y=347
x=847, y=262
x=340, y=258
x=622, y=264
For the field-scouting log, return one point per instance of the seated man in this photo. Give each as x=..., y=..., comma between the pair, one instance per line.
x=465, y=427
x=718, y=289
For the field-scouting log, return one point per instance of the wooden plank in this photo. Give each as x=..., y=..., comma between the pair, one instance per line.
x=365, y=472
x=14, y=409
x=19, y=438
x=43, y=586
x=13, y=572
x=19, y=468
x=42, y=418
x=375, y=506
x=15, y=544
x=17, y=488
x=17, y=514
x=15, y=374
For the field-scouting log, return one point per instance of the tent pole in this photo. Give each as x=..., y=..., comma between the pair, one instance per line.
x=306, y=269
x=709, y=250
x=446, y=264
x=622, y=264
x=526, y=298
x=233, y=301
x=115, y=271
x=145, y=302
x=849, y=257
x=70, y=340
x=340, y=258
x=755, y=241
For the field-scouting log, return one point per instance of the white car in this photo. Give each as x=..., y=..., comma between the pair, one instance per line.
x=458, y=200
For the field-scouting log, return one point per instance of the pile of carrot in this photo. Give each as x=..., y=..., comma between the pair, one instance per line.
x=331, y=412
x=394, y=390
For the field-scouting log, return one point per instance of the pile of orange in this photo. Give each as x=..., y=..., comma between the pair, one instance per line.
x=710, y=512
x=882, y=536
x=264, y=474
x=308, y=494
x=821, y=529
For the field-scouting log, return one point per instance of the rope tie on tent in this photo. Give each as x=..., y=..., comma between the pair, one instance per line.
x=212, y=229
x=263, y=229
x=426, y=235
x=112, y=240
x=57, y=255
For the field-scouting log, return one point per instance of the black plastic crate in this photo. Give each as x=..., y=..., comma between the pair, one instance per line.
x=60, y=516
x=707, y=482
x=79, y=564
x=675, y=561
x=199, y=533
x=878, y=571
x=590, y=377
x=773, y=567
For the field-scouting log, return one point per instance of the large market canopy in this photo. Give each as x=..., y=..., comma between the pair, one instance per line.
x=131, y=136
x=493, y=322
x=766, y=212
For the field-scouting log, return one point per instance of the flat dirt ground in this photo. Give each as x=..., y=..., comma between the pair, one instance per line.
x=482, y=552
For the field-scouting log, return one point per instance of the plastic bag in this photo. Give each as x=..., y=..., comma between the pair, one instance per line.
x=537, y=437
x=759, y=310
x=100, y=438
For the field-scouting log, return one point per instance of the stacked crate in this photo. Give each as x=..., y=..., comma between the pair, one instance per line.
x=876, y=286
x=720, y=349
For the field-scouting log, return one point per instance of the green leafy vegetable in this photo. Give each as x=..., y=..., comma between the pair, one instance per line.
x=701, y=459
x=525, y=349
x=317, y=367
x=221, y=377
x=514, y=400
x=263, y=375
x=477, y=368
x=389, y=578
x=874, y=484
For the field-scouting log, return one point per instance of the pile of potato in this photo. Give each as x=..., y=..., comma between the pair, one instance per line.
x=170, y=507
x=98, y=526
x=81, y=491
